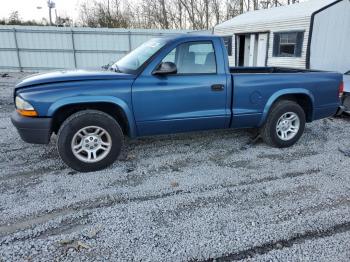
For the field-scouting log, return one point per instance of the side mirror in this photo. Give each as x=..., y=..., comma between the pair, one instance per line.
x=166, y=68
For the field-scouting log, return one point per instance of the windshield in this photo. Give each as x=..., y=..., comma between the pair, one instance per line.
x=136, y=58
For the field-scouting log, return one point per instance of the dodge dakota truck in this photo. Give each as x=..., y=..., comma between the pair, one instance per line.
x=168, y=85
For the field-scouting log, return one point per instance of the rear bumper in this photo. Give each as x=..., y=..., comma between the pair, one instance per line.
x=31, y=129
x=340, y=110
x=346, y=102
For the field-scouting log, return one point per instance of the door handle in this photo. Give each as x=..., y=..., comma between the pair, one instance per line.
x=217, y=87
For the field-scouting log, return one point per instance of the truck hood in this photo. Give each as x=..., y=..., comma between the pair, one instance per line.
x=66, y=76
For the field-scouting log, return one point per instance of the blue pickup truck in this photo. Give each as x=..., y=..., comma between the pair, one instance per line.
x=168, y=85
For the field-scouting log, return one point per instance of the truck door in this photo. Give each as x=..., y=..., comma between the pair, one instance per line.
x=194, y=98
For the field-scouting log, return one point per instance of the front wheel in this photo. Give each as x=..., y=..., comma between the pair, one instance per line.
x=89, y=140
x=285, y=124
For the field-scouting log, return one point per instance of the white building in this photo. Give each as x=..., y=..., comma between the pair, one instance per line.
x=313, y=34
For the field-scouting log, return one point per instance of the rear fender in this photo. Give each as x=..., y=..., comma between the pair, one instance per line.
x=277, y=95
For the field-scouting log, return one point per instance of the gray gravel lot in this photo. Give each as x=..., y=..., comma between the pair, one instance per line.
x=199, y=196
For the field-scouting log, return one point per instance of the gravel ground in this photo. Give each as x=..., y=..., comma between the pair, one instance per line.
x=190, y=197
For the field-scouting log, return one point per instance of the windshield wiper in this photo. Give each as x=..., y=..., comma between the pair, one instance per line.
x=115, y=68
x=112, y=67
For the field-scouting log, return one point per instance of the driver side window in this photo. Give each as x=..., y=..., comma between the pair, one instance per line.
x=193, y=58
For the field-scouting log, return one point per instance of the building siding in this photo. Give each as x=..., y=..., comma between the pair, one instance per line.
x=300, y=24
x=331, y=39
x=30, y=48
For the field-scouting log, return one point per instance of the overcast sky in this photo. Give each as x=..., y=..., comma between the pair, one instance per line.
x=28, y=8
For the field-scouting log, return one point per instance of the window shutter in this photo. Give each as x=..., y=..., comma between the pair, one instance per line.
x=300, y=41
x=228, y=44
x=276, y=44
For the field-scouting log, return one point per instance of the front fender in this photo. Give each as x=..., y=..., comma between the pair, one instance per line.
x=96, y=99
x=279, y=94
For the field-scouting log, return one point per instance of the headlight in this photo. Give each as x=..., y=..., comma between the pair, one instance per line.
x=24, y=108
x=22, y=104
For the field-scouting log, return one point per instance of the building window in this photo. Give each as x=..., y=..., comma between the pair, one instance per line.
x=288, y=44
x=228, y=44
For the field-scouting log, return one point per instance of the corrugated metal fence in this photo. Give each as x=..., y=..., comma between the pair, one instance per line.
x=27, y=48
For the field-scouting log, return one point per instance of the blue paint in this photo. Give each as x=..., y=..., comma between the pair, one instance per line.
x=156, y=104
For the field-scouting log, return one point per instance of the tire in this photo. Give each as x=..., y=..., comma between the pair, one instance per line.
x=89, y=131
x=281, y=116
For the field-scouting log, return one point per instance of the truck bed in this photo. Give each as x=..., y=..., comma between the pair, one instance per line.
x=267, y=70
x=255, y=89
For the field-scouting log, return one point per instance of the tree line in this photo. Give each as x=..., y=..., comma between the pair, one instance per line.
x=168, y=14
x=15, y=19
x=161, y=14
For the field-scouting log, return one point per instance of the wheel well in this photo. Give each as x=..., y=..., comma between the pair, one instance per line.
x=303, y=100
x=111, y=109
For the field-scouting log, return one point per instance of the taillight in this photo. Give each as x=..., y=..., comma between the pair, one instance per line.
x=341, y=89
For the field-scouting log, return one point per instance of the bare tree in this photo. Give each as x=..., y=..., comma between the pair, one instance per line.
x=167, y=14
x=15, y=19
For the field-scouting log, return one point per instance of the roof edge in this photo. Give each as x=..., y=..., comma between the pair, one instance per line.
x=264, y=16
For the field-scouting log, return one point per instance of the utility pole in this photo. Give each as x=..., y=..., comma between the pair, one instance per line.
x=50, y=5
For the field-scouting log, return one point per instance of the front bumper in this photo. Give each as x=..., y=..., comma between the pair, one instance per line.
x=33, y=129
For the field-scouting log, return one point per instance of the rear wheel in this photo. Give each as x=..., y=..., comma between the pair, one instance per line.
x=285, y=124
x=89, y=140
